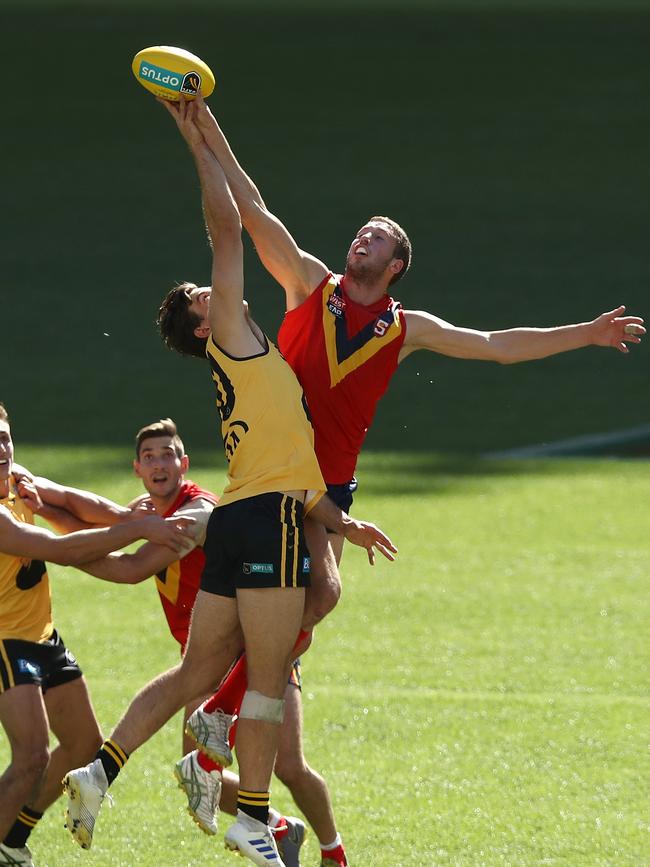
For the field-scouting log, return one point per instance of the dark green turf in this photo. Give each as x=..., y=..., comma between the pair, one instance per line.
x=512, y=146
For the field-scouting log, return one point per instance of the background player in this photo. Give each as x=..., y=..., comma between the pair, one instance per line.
x=161, y=463
x=41, y=685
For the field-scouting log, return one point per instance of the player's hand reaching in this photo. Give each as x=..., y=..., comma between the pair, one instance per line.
x=21, y=473
x=369, y=536
x=29, y=493
x=184, y=113
x=174, y=532
x=616, y=330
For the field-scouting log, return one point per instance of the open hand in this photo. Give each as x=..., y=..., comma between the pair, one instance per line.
x=617, y=330
x=369, y=536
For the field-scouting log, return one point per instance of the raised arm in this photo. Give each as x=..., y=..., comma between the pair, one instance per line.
x=227, y=317
x=24, y=540
x=425, y=331
x=297, y=272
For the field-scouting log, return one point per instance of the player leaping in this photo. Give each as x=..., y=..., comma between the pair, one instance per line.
x=257, y=564
x=344, y=335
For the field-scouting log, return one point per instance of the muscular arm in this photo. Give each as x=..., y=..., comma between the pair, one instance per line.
x=24, y=540
x=122, y=568
x=295, y=270
x=149, y=559
x=68, y=509
x=360, y=533
x=425, y=331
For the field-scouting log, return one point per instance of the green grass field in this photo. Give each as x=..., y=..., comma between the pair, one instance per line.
x=483, y=701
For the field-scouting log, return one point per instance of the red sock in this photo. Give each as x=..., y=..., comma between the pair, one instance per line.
x=281, y=829
x=230, y=694
x=336, y=855
x=206, y=763
x=228, y=697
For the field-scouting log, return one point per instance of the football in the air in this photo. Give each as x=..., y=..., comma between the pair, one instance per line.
x=167, y=72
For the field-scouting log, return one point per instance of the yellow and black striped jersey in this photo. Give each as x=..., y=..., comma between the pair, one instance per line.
x=25, y=604
x=265, y=426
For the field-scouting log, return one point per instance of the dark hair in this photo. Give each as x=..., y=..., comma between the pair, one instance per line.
x=176, y=322
x=3, y=413
x=163, y=428
x=403, y=249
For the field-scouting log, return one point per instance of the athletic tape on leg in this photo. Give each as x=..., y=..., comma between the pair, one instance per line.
x=261, y=707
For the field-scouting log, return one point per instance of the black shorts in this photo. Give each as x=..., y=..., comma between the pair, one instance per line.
x=47, y=665
x=342, y=495
x=256, y=542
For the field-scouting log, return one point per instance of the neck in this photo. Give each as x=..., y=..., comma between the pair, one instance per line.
x=362, y=291
x=5, y=487
x=161, y=504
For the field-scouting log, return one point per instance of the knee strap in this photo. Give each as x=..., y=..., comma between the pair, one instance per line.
x=261, y=707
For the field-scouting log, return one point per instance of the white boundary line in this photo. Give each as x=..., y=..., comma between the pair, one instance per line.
x=589, y=444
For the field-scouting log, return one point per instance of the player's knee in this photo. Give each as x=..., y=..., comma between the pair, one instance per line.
x=30, y=765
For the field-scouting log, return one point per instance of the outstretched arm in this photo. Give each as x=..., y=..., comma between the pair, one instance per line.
x=68, y=509
x=24, y=540
x=297, y=272
x=425, y=331
x=226, y=311
x=123, y=568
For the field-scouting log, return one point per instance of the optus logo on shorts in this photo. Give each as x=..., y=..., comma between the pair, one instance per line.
x=252, y=568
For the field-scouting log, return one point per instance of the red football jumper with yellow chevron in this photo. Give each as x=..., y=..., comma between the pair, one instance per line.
x=179, y=583
x=344, y=355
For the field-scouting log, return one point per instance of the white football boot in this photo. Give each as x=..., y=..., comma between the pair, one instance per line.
x=203, y=790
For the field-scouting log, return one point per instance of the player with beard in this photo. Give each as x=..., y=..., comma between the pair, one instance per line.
x=344, y=336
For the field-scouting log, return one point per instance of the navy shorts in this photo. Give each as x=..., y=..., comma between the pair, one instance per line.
x=342, y=495
x=47, y=664
x=256, y=542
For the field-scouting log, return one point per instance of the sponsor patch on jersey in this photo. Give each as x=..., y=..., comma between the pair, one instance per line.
x=28, y=667
x=253, y=568
x=336, y=304
x=306, y=564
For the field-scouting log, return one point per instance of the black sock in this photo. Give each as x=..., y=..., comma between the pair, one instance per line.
x=254, y=804
x=113, y=759
x=22, y=828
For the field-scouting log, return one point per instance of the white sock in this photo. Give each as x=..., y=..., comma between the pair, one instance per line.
x=337, y=842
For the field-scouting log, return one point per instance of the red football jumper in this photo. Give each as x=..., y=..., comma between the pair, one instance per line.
x=179, y=583
x=344, y=355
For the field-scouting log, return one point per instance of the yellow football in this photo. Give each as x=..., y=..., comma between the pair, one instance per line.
x=168, y=72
